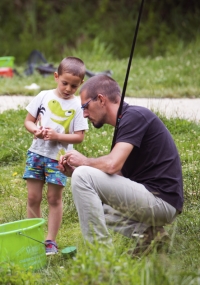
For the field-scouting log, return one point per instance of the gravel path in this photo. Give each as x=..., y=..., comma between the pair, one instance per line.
x=183, y=108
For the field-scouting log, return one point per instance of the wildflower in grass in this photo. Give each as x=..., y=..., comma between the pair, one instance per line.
x=14, y=174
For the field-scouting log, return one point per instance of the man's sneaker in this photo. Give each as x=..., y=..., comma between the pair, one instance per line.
x=51, y=247
x=153, y=237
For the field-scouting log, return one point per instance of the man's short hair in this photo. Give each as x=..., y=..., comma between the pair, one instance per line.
x=102, y=84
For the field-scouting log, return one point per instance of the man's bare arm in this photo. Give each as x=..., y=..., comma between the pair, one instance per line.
x=111, y=163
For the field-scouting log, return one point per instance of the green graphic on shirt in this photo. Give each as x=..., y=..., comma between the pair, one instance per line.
x=61, y=152
x=66, y=116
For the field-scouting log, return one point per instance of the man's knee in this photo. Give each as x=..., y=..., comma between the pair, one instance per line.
x=80, y=176
x=80, y=172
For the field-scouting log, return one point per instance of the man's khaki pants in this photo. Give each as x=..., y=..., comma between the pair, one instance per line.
x=125, y=206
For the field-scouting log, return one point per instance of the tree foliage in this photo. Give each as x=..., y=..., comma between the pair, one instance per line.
x=55, y=26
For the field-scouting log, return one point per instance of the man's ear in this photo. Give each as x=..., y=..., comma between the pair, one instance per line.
x=101, y=99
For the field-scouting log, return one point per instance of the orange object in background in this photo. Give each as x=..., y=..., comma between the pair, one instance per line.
x=6, y=72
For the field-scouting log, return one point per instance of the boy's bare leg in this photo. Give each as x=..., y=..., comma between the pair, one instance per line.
x=34, y=187
x=54, y=197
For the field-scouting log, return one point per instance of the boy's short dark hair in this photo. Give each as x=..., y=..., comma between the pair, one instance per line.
x=72, y=65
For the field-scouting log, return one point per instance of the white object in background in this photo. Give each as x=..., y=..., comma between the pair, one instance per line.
x=33, y=86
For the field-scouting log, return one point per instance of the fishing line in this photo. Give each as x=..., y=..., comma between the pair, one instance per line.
x=69, y=250
x=20, y=233
x=119, y=113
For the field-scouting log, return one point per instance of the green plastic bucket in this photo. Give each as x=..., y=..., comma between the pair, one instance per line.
x=7, y=61
x=22, y=242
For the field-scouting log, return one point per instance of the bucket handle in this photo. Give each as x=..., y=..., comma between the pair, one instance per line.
x=20, y=233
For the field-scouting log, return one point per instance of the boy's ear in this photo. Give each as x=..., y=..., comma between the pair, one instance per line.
x=82, y=81
x=56, y=75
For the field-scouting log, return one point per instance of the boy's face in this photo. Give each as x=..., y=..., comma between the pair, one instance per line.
x=67, y=84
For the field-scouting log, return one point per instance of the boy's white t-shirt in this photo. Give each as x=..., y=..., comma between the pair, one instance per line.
x=64, y=116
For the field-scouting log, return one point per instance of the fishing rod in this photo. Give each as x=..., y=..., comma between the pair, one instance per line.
x=119, y=113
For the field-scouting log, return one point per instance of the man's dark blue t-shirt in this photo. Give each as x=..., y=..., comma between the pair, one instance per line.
x=154, y=160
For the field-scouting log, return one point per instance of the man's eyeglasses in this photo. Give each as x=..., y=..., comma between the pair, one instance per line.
x=85, y=106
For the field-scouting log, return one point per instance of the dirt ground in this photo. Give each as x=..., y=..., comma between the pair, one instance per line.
x=183, y=108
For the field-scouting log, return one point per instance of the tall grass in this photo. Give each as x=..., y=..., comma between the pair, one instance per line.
x=172, y=76
x=178, y=264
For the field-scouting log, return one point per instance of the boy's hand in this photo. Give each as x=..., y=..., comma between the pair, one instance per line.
x=50, y=134
x=38, y=133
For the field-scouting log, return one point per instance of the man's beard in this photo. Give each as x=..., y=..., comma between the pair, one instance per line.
x=98, y=125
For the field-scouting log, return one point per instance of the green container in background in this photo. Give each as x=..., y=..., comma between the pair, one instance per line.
x=7, y=61
x=22, y=242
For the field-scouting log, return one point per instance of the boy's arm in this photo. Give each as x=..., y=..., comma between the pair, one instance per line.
x=76, y=137
x=30, y=125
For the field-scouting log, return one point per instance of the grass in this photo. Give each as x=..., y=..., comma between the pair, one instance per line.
x=173, y=76
x=177, y=265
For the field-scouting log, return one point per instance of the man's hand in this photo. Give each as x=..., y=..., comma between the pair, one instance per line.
x=74, y=158
x=64, y=167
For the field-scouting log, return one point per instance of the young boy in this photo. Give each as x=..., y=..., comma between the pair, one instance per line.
x=55, y=118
